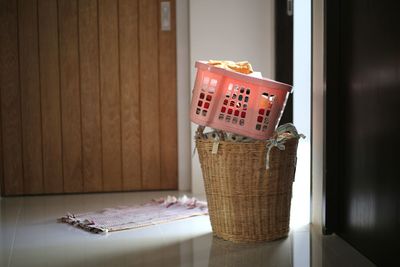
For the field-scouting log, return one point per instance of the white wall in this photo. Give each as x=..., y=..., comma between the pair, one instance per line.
x=318, y=111
x=231, y=30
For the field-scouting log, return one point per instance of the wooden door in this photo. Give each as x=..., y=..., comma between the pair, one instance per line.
x=88, y=96
x=363, y=93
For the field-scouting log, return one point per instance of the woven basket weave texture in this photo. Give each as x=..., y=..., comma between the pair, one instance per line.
x=246, y=202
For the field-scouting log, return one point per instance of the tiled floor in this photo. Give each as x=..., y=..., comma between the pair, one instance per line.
x=30, y=236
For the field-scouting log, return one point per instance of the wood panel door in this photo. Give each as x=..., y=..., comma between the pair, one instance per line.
x=87, y=96
x=362, y=200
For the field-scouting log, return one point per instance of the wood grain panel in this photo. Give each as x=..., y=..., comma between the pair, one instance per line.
x=10, y=100
x=87, y=96
x=362, y=79
x=30, y=97
x=130, y=105
x=50, y=96
x=90, y=94
x=149, y=94
x=110, y=95
x=168, y=105
x=70, y=95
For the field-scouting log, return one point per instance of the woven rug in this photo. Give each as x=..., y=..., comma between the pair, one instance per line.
x=122, y=218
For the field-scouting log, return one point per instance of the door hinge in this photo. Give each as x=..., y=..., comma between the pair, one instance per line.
x=165, y=16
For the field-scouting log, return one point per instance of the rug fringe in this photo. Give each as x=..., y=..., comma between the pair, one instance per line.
x=189, y=203
x=84, y=224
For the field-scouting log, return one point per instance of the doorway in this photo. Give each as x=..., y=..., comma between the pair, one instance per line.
x=293, y=66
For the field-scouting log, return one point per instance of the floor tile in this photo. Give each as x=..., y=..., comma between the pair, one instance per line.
x=9, y=213
x=31, y=236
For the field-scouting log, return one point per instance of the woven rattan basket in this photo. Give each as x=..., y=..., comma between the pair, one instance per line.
x=246, y=201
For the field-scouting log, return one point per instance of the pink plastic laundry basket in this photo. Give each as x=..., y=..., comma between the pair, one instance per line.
x=237, y=103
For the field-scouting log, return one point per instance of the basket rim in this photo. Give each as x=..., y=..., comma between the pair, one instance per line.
x=201, y=64
x=248, y=143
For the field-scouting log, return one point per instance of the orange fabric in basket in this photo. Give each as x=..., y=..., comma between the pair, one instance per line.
x=241, y=66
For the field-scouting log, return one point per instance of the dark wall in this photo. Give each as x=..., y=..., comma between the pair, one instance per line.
x=284, y=53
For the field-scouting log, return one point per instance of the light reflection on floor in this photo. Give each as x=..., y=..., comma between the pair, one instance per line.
x=300, y=208
x=30, y=236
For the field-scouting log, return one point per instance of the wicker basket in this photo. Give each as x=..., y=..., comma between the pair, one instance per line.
x=246, y=202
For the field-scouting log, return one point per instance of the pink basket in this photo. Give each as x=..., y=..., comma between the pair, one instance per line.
x=237, y=103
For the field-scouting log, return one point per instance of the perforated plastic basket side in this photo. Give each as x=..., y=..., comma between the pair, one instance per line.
x=237, y=103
